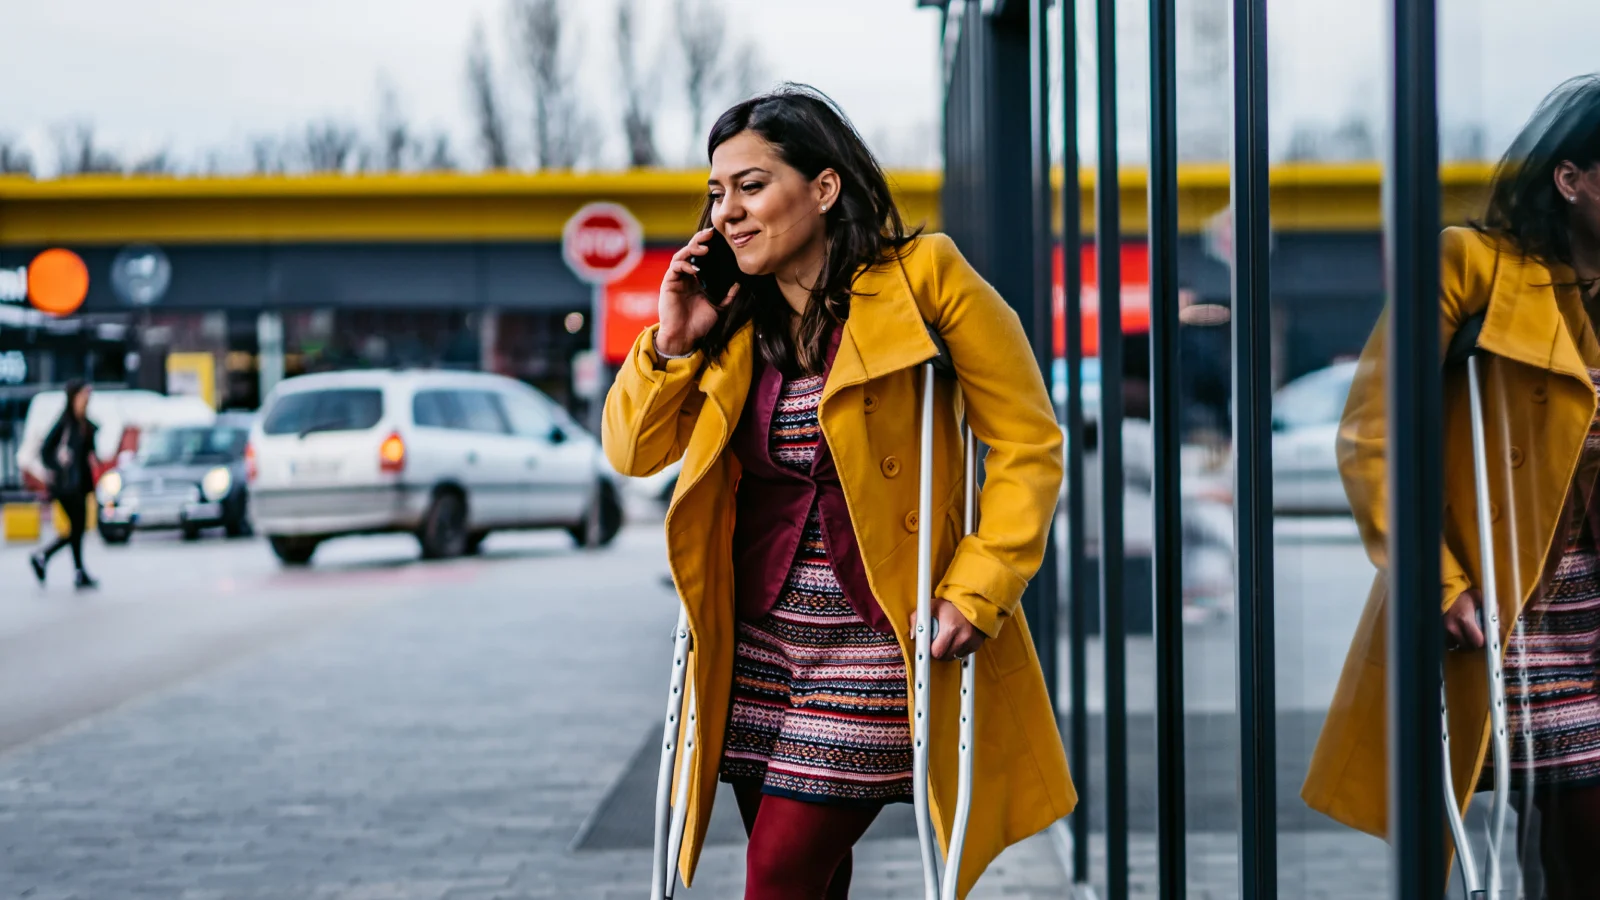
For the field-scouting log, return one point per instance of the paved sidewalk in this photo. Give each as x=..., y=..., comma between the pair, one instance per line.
x=447, y=742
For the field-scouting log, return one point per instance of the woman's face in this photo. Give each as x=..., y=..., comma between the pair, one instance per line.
x=770, y=213
x=80, y=403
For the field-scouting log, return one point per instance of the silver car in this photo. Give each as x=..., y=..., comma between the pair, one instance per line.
x=1305, y=429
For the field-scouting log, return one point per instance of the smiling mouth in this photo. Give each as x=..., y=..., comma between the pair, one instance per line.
x=739, y=240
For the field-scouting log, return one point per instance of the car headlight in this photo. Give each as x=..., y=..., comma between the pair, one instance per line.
x=216, y=484
x=109, y=486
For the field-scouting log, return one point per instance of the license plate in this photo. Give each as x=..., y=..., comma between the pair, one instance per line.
x=314, y=468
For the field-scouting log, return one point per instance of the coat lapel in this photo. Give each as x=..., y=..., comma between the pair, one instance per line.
x=1524, y=321
x=885, y=331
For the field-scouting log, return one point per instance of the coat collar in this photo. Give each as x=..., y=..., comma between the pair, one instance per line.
x=885, y=333
x=1525, y=319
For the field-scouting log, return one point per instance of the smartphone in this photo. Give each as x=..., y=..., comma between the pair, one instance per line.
x=718, y=270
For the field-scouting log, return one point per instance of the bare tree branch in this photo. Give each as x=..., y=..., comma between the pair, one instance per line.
x=78, y=154
x=157, y=163
x=14, y=158
x=267, y=156
x=396, y=146
x=702, y=38
x=638, y=114
x=486, y=108
x=750, y=75
x=562, y=136
x=331, y=146
x=437, y=156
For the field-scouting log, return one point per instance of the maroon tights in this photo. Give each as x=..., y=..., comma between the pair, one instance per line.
x=798, y=850
x=1569, y=842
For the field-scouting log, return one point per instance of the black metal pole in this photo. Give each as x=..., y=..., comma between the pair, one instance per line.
x=1077, y=560
x=1166, y=424
x=1252, y=441
x=1411, y=216
x=1108, y=257
x=1046, y=629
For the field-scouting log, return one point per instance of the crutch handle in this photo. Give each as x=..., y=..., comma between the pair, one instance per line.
x=943, y=363
x=1465, y=343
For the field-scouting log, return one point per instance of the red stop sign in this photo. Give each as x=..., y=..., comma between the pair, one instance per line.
x=602, y=242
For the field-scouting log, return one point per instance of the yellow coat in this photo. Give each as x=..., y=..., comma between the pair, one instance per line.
x=661, y=410
x=1538, y=407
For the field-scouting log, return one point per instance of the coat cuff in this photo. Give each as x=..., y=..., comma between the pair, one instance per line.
x=655, y=368
x=1453, y=578
x=984, y=590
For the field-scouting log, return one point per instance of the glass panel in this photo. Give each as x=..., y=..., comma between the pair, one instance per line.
x=345, y=409
x=1211, y=719
x=480, y=412
x=1327, y=294
x=527, y=416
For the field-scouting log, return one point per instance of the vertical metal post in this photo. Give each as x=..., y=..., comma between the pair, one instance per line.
x=1252, y=441
x=1108, y=256
x=1042, y=326
x=1411, y=226
x=1077, y=561
x=1167, y=561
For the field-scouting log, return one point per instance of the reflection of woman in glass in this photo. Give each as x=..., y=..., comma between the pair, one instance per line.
x=1531, y=267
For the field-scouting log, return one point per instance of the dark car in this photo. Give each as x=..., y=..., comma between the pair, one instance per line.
x=189, y=477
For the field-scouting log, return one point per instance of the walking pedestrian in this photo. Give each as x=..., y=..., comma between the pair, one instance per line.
x=792, y=401
x=1531, y=267
x=68, y=457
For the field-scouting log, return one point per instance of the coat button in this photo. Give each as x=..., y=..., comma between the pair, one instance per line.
x=1516, y=457
x=870, y=403
x=890, y=466
x=911, y=520
x=1538, y=393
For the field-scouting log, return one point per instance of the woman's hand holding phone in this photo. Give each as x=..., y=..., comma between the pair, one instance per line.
x=686, y=313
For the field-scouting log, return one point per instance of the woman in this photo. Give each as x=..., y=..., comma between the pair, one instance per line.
x=791, y=536
x=1532, y=268
x=68, y=455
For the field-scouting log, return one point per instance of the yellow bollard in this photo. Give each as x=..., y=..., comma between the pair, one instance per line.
x=21, y=522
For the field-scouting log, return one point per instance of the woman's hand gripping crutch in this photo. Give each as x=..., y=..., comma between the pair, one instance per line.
x=1464, y=349
x=673, y=810
x=939, y=877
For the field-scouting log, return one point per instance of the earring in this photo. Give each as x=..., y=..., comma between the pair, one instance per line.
x=824, y=208
x=1573, y=198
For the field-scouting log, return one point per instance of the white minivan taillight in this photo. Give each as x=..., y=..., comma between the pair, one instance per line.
x=392, y=453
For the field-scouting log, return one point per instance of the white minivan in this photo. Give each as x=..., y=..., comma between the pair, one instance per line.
x=447, y=456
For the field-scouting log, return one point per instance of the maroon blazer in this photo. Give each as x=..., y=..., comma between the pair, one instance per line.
x=772, y=503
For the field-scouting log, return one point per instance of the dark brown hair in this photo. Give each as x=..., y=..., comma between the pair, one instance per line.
x=1524, y=204
x=864, y=228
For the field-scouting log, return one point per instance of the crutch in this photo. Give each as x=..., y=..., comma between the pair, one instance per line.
x=672, y=811
x=1464, y=348
x=940, y=877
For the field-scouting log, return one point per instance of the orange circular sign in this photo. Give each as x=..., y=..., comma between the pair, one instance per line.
x=58, y=281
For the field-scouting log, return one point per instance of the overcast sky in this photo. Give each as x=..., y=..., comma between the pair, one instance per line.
x=202, y=75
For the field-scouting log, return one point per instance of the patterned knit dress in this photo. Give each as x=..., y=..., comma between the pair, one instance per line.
x=819, y=696
x=1553, y=667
